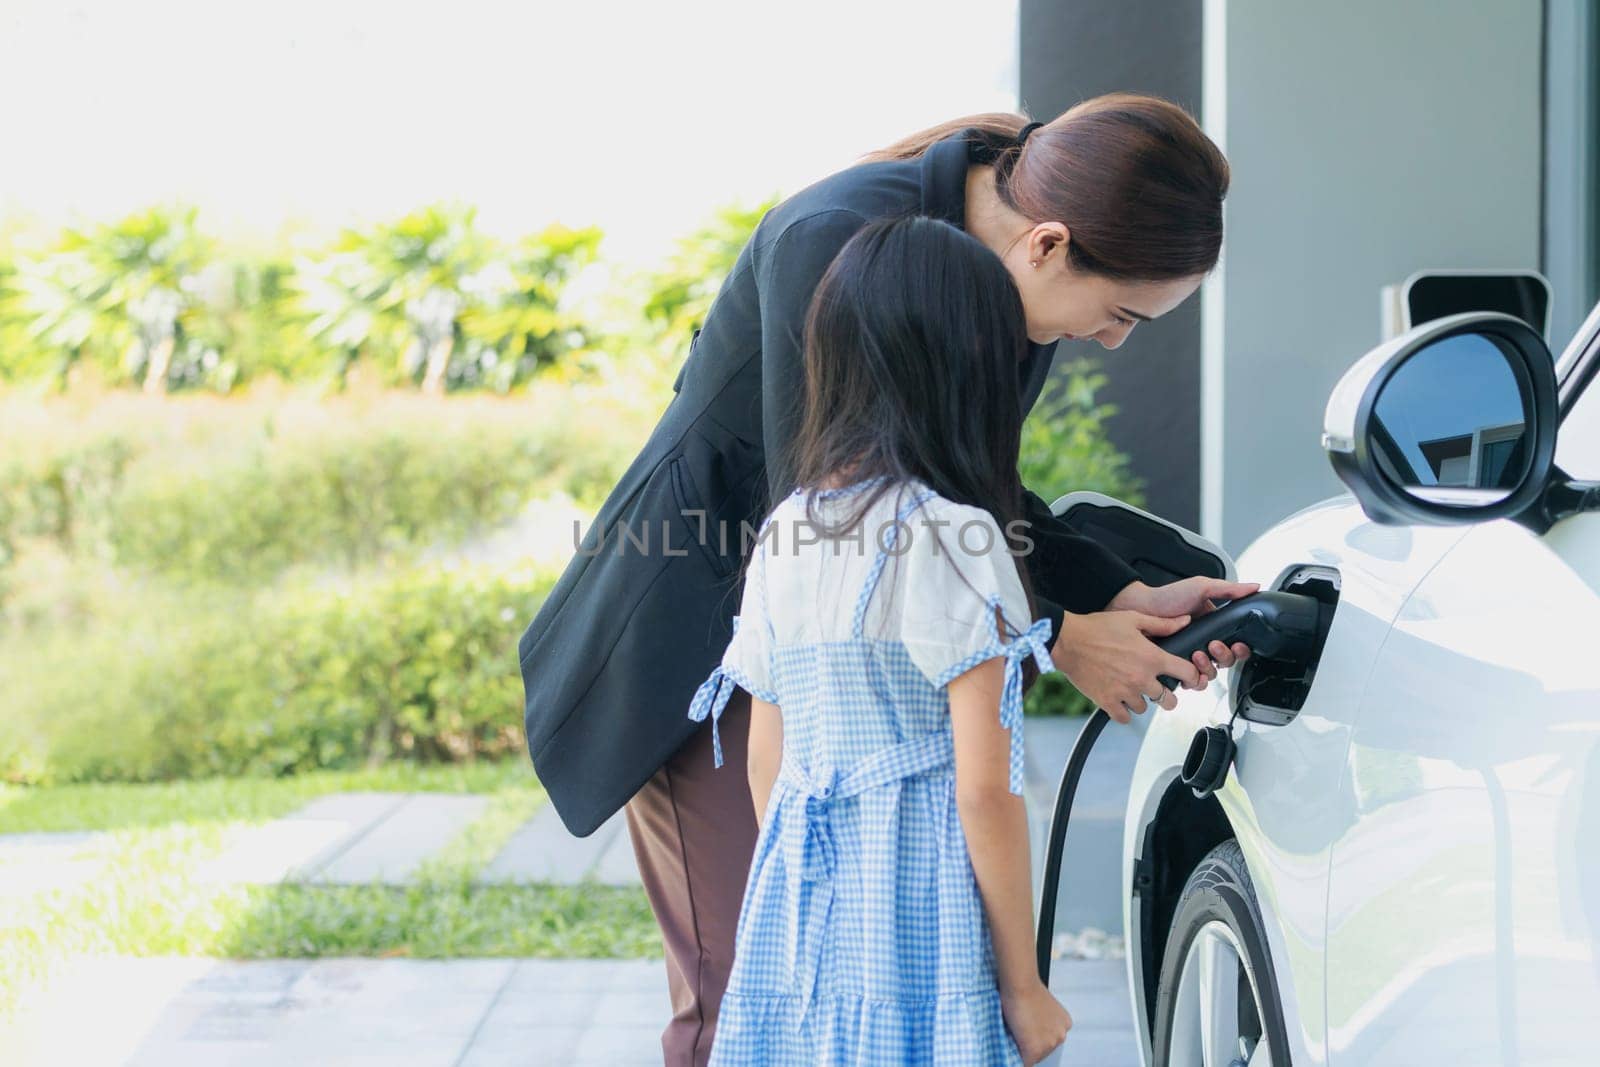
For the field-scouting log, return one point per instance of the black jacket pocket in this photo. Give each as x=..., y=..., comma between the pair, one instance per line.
x=714, y=485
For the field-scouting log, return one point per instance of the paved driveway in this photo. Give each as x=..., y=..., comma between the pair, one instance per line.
x=476, y=1013
x=414, y=1013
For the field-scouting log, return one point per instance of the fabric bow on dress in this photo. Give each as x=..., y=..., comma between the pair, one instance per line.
x=713, y=695
x=810, y=854
x=1030, y=642
x=710, y=699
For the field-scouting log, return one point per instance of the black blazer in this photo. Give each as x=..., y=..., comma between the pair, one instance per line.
x=643, y=612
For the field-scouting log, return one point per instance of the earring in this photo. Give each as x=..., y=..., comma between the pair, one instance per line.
x=1035, y=262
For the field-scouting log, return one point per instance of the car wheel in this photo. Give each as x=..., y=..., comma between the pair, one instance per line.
x=1217, y=1004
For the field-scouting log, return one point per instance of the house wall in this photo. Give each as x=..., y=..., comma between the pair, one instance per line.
x=1368, y=139
x=1069, y=50
x=1572, y=164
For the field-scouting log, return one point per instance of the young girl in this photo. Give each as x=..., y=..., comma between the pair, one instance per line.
x=885, y=634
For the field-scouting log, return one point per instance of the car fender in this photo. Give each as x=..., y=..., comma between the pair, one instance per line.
x=1284, y=796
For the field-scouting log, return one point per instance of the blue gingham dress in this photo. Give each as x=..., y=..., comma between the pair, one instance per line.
x=862, y=937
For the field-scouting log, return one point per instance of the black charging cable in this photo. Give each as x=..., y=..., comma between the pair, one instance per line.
x=1211, y=752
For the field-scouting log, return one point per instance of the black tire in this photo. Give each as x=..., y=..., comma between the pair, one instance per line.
x=1220, y=890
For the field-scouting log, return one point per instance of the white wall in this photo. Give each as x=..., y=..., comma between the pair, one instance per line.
x=1368, y=139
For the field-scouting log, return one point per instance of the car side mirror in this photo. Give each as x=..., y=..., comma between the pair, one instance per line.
x=1453, y=421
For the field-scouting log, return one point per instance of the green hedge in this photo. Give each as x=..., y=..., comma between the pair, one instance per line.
x=237, y=491
x=345, y=498
x=418, y=665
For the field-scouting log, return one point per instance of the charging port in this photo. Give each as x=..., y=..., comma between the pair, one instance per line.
x=1273, y=691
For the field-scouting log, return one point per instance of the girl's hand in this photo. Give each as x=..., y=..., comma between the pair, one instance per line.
x=1036, y=1019
x=1191, y=597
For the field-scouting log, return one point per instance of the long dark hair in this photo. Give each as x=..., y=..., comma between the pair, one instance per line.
x=1134, y=179
x=914, y=342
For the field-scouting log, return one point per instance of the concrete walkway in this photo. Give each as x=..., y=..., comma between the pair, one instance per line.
x=348, y=838
x=475, y=1013
x=544, y=851
x=355, y=838
x=407, y=1013
x=415, y=1013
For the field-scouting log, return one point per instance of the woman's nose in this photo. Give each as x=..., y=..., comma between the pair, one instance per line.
x=1113, y=336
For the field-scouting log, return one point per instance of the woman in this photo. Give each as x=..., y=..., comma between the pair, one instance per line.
x=1109, y=215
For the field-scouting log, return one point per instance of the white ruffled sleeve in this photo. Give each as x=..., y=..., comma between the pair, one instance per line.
x=747, y=659
x=948, y=626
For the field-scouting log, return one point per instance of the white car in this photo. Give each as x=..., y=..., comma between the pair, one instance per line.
x=1402, y=865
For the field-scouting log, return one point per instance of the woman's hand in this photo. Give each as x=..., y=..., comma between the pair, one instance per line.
x=1036, y=1019
x=1192, y=597
x=1110, y=658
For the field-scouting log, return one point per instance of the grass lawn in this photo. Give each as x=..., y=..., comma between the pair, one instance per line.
x=145, y=900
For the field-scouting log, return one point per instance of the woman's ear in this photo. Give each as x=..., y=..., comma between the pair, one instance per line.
x=1048, y=237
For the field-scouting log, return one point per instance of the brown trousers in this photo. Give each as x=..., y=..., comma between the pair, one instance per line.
x=693, y=827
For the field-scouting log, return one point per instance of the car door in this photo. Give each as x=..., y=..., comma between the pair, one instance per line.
x=1464, y=897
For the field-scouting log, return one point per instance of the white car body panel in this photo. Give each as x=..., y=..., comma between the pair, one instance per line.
x=1464, y=900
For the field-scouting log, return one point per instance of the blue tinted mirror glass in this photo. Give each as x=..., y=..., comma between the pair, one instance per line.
x=1450, y=426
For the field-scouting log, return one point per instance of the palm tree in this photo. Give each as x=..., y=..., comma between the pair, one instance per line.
x=59, y=301
x=342, y=297
x=515, y=321
x=422, y=260
x=123, y=285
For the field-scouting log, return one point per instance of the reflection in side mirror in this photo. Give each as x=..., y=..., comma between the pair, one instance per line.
x=1449, y=426
x=1453, y=421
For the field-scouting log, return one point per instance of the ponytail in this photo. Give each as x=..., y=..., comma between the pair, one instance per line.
x=1134, y=179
